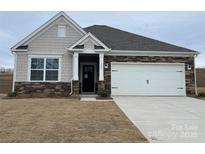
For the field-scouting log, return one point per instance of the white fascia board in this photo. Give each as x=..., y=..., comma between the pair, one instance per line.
x=154, y=53
x=99, y=42
x=85, y=37
x=77, y=42
x=73, y=22
x=82, y=50
x=44, y=26
x=19, y=50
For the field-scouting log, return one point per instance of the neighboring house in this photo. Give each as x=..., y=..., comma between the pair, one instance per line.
x=60, y=56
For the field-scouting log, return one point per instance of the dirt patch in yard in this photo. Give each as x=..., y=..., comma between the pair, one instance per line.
x=63, y=120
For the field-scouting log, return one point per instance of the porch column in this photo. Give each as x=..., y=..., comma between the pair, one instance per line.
x=101, y=66
x=75, y=66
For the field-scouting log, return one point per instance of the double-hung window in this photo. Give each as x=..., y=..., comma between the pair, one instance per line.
x=37, y=69
x=52, y=67
x=44, y=69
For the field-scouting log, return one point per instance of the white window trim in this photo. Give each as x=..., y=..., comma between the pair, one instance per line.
x=61, y=27
x=44, y=72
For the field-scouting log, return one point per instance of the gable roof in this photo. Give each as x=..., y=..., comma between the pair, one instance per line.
x=89, y=35
x=117, y=39
x=20, y=45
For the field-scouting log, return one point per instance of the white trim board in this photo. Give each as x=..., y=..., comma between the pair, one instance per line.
x=46, y=25
x=45, y=56
x=150, y=53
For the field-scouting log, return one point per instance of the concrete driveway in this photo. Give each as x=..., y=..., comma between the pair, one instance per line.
x=166, y=119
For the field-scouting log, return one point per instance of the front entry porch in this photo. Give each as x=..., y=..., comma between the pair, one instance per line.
x=88, y=73
x=88, y=65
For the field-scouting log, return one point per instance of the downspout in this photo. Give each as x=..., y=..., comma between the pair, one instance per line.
x=196, y=92
x=71, y=87
x=71, y=81
x=14, y=72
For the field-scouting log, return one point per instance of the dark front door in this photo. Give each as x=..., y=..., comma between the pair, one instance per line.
x=88, y=78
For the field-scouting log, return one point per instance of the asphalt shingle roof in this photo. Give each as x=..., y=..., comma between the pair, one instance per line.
x=117, y=39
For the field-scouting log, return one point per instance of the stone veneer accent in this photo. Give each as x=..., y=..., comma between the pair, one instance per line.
x=76, y=87
x=42, y=87
x=101, y=86
x=190, y=79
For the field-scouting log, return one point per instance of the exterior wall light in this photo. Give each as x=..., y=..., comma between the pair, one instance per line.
x=106, y=65
x=188, y=67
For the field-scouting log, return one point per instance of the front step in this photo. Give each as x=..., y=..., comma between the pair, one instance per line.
x=88, y=97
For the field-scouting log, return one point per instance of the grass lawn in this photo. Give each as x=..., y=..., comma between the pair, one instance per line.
x=64, y=120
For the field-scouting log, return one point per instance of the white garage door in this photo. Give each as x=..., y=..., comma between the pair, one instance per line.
x=148, y=79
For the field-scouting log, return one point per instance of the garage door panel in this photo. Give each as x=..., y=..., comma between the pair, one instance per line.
x=143, y=77
x=148, y=79
x=143, y=67
x=140, y=75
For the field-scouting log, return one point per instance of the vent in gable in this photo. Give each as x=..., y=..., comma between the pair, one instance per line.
x=79, y=46
x=99, y=47
x=23, y=47
x=61, y=31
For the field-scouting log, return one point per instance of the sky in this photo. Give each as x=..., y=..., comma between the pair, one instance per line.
x=186, y=29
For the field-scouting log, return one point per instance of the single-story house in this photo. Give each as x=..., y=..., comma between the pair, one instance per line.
x=60, y=56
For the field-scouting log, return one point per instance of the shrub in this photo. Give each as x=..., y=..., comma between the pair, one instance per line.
x=201, y=94
x=103, y=93
x=12, y=94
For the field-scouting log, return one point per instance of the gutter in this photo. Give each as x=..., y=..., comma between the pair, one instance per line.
x=18, y=50
x=152, y=52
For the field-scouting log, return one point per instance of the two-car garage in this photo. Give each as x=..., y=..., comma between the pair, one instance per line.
x=148, y=79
